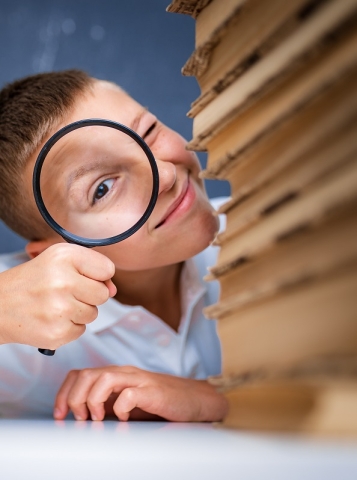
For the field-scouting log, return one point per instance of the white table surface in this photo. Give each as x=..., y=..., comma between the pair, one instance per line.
x=46, y=449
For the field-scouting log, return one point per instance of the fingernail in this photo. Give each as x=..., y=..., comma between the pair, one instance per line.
x=94, y=417
x=57, y=413
x=78, y=417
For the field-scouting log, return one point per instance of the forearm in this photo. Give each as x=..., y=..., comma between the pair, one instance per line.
x=7, y=316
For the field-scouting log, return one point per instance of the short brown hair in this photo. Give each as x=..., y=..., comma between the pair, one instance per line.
x=29, y=108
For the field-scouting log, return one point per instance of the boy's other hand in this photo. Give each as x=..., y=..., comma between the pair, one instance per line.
x=46, y=302
x=137, y=393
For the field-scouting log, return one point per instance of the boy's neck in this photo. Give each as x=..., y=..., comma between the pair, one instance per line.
x=157, y=290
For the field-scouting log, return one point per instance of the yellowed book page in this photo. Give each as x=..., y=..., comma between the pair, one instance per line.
x=313, y=320
x=326, y=367
x=317, y=406
x=293, y=94
x=242, y=19
x=330, y=193
x=216, y=13
x=256, y=29
x=200, y=59
x=282, y=188
x=309, y=254
x=187, y=7
x=250, y=168
x=221, y=110
x=223, y=68
x=269, y=406
x=335, y=412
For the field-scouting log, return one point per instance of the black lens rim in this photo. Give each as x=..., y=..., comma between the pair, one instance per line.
x=68, y=236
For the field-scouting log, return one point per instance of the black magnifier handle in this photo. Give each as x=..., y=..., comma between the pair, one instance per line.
x=46, y=351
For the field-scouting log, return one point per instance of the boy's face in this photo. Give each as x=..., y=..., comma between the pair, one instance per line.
x=182, y=222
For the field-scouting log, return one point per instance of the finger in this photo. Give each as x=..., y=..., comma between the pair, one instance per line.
x=60, y=409
x=138, y=414
x=90, y=291
x=148, y=399
x=108, y=405
x=78, y=394
x=109, y=382
x=93, y=264
x=81, y=313
x=111, y=287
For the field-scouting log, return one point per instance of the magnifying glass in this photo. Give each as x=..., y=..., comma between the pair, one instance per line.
x=95, y=183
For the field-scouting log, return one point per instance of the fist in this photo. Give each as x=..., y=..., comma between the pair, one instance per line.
x=47, y=302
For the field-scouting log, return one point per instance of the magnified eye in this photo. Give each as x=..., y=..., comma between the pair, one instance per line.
x=102, y=189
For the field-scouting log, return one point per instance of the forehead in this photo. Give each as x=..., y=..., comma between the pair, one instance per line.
x=105, y=100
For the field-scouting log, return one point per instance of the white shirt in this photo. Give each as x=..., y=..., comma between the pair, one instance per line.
x=121, y=335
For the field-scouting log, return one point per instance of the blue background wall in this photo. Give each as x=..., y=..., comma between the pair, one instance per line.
x=134, y=43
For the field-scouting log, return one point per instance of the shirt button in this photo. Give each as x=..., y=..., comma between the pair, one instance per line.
x=134, y=318
x=164, y=340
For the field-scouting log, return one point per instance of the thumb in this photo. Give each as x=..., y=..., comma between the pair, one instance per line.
x=93, y=264
x=111, y=287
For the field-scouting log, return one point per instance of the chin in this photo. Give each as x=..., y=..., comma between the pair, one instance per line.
x=208, y=226
x=198, y=236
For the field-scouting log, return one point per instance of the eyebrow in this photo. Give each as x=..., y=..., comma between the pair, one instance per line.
x=88, y=168
x=83, y=170
x=80, y=172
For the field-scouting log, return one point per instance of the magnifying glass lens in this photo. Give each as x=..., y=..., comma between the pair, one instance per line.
x=96, y=182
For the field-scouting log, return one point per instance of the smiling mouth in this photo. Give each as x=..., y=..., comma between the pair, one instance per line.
x=174, y=206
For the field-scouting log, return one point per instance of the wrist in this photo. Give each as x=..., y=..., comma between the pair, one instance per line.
x=215, y=407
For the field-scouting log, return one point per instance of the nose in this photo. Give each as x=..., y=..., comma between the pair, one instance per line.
x=167, y=175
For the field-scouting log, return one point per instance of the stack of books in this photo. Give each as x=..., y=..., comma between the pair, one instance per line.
x=277, y=115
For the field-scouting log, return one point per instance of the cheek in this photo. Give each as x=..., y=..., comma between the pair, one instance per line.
x=131, y=254
x=144, y=251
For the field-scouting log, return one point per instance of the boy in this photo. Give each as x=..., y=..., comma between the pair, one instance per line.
x=155, y=322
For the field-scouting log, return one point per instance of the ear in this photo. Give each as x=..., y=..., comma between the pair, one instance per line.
x=34, y=248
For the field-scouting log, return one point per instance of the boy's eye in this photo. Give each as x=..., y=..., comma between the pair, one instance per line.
x=149, y=130
x=102, y=189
